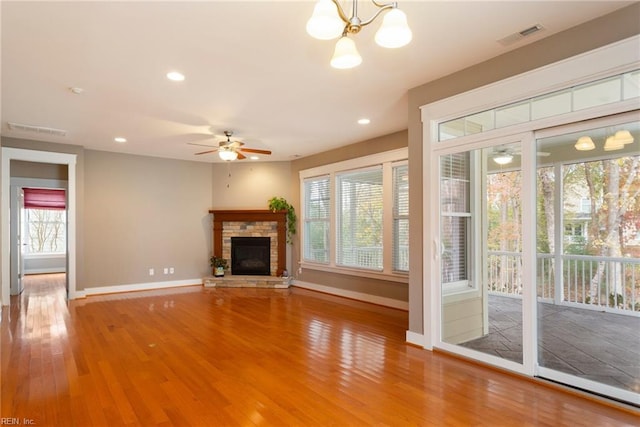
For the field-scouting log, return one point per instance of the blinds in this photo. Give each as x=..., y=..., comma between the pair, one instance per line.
x=317, y=211
x=455, y=216
x=359, y=218
x=42, y=198
x=401, y=218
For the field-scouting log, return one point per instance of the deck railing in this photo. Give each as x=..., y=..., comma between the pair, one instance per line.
x=602, y=283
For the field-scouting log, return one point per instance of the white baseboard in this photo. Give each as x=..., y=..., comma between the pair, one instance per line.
x=415, y=339
x=136, y=287
x=374, y=299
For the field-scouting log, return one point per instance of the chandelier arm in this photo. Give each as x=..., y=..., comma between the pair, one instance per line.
x=382, y=9
x=344, y=17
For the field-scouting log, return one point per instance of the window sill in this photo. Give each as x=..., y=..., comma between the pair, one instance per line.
x=378, y=275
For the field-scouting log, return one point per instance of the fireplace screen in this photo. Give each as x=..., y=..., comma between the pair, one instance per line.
x=251, y=256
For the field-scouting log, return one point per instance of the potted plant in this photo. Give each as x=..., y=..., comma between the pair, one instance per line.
x=281, y=204
x=219, y=265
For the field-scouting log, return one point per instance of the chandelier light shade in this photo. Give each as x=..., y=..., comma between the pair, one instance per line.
x=346, y=55
x=325, y=24
x=329, y=21
x=394, y=31
x=585, y=143
x=228, y=154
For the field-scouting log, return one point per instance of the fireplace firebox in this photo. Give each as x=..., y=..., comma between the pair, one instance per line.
x=251, y=256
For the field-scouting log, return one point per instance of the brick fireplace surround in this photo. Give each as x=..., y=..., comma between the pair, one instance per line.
x=251, y=223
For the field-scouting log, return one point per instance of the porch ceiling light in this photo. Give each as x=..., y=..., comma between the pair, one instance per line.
x=503, y=158
x=624, y=137
x=612, y=144
x=585, y=143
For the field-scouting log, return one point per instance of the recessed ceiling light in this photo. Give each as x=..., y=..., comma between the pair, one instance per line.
x=364, y=121
x=254, y=158
x=76, y=90
x=120, y=139
x=175, y=76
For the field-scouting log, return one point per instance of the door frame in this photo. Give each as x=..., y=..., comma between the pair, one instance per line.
x=69, y=160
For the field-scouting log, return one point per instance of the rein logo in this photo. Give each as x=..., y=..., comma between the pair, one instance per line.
x=7, y=421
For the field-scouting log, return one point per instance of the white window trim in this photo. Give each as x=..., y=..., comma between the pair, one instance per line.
x=387, y=159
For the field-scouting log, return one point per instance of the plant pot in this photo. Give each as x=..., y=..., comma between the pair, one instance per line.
x=218, y=271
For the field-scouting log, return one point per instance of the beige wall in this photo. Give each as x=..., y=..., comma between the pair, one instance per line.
x=249, y=185
x=616, y=26
x=379, y=288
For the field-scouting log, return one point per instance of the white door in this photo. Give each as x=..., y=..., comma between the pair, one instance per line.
x=19, y=243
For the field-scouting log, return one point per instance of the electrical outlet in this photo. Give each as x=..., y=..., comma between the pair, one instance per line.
x=171, y=270
x=151, y=272
x=166, y=270
x=299, y=270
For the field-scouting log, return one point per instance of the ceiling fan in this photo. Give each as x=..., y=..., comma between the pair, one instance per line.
x=503, y=156
x=231, y=150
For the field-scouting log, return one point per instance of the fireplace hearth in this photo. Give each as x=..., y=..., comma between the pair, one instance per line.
x=251, y=256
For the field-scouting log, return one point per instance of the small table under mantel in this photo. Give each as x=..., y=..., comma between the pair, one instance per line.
x=240, y=215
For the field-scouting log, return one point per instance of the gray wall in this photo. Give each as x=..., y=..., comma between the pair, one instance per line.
x=145, y=212
x=136, y=212
x=616, y=26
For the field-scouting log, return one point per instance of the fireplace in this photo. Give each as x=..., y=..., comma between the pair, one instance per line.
x=251, y=256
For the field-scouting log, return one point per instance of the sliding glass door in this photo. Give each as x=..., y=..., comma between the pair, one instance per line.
x=588, y=257
x=481, y=252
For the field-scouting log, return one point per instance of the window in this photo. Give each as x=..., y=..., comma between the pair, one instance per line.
x=401, y=218
x=45, y=221
x=455, y=219
x=356, y=216
x=316, y=219
x=360, y=218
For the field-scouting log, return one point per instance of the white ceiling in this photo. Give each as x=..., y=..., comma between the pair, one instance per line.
x=250, y=67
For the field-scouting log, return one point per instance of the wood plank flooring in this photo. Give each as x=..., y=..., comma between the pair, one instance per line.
x=248, y=357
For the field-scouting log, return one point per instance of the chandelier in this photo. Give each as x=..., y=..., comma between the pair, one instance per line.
x=329, y=21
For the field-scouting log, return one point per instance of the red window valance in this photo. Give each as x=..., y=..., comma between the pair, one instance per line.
x=43, y=198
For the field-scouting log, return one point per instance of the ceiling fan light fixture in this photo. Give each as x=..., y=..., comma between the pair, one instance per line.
x=503, y=158
x=227, y=154
x=585, y=143
x=325, y=24
x=394, y=31
x=345, y=55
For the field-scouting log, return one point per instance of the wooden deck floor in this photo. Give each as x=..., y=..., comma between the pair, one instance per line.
x=594, y=345
x=248, y=357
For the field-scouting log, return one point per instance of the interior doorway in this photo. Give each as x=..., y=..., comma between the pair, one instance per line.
x=69, y=161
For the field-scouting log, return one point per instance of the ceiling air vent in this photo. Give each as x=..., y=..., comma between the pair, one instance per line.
x=37, y=129
x=512, y=38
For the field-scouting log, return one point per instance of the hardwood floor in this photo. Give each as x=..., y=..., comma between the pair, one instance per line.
x=230, y=357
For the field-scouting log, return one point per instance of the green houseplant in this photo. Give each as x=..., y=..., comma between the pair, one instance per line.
x=219, y=265
x=281, y=204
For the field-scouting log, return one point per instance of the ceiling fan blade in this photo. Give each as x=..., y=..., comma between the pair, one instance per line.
x=254, y=150
x=241, y=156
x=207, y=152
x=201, y=145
